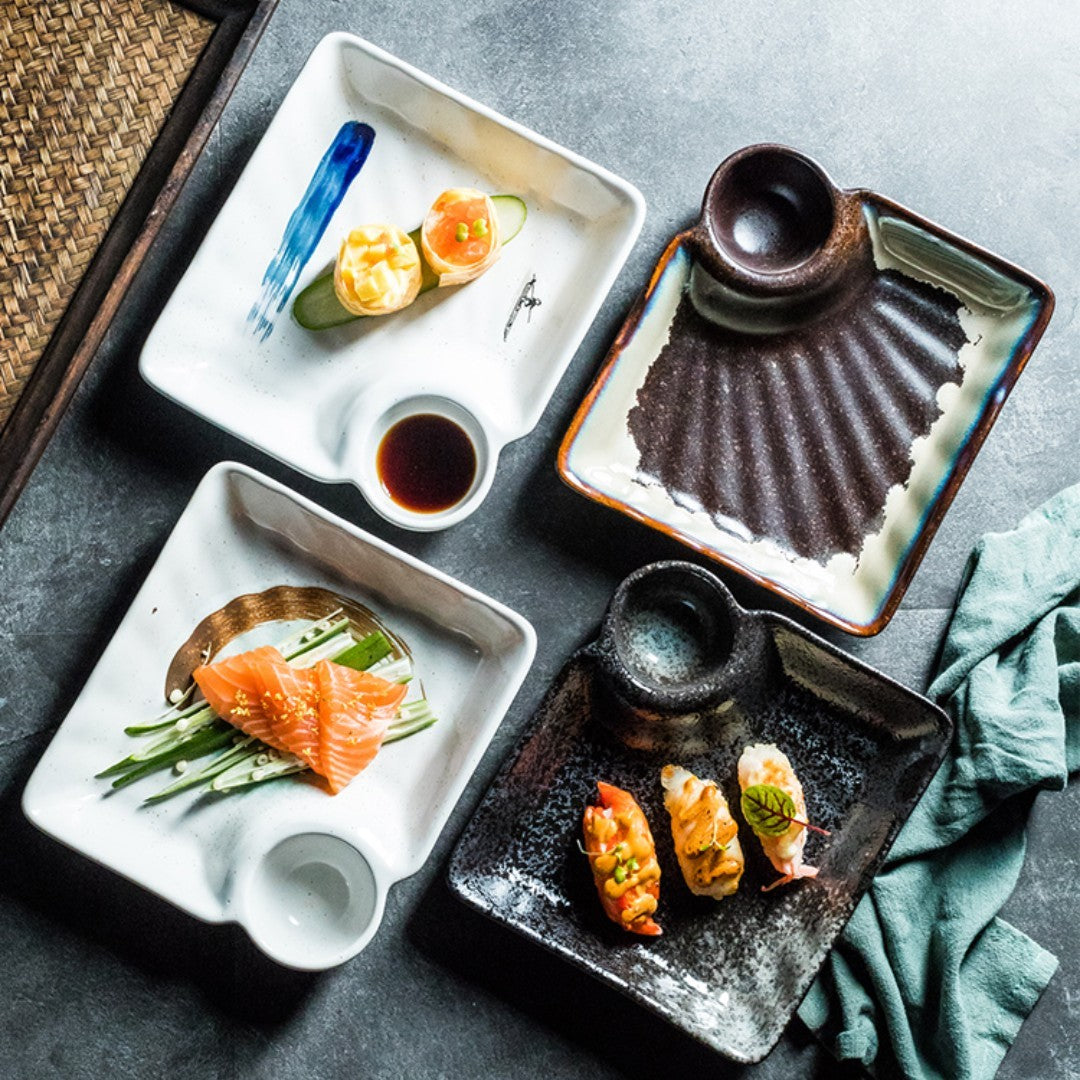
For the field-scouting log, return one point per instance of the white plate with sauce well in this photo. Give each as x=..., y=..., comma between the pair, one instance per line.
x=304, y=872
x=319, y=401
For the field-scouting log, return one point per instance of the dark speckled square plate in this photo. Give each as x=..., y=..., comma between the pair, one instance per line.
x=729, y=973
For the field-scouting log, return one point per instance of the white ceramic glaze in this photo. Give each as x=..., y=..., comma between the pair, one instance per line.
x=331, y=859
x=310, y=399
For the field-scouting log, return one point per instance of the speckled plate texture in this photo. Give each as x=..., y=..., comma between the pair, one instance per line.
x=730, y=973
x=804, y=385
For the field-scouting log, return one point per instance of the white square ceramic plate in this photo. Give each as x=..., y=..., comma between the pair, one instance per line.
x=304, y=872
x=311, y=399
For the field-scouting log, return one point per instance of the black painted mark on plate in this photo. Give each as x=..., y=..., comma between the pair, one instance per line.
x=527, y=300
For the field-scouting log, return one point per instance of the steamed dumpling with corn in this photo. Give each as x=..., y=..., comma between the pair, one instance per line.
x=460, y=235
x=378, y=270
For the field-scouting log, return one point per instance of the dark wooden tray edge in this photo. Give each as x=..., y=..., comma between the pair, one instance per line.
x=182, y=139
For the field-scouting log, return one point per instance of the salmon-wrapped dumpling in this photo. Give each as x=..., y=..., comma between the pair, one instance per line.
x=705, y=834
x=460, y=235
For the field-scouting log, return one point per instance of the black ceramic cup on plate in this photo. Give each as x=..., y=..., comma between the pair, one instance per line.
x=672, y=650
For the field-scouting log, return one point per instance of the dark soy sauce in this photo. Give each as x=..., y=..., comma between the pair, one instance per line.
x=426, y=463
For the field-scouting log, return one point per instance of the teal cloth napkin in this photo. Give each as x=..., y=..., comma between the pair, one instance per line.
x=926, y=980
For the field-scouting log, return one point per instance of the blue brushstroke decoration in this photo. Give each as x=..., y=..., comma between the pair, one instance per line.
x=340, y=164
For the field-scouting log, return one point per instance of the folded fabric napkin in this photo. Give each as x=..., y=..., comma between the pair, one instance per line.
x=926, y=980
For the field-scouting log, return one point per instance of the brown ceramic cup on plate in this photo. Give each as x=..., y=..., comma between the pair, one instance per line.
x=777, y=242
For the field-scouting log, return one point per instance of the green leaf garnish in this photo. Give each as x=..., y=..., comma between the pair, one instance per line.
x=770, y=811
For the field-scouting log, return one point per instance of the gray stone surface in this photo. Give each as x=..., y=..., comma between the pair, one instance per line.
x=968, y=113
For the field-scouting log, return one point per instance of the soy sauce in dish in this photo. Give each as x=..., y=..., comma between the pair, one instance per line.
x=426, y=463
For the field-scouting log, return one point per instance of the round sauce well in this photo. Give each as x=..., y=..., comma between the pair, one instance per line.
x=426, y=463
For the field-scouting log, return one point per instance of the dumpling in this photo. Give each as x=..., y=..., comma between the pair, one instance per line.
x=378, y=270
x=460, y=235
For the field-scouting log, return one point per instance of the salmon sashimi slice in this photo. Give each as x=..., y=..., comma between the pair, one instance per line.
x=233, y=689
x=355, y=709
x=290, y=698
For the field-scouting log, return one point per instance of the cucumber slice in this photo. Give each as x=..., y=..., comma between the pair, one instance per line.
x=318, y=308
x=512, y=214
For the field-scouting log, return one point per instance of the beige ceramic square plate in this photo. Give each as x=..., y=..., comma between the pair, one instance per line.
x=804, y=385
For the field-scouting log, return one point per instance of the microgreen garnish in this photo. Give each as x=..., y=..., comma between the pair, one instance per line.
x=709, y=844
x=770, y=811
x=593, y=854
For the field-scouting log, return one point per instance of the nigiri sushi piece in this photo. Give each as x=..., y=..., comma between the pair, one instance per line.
x=777, y=816
x=377, y=271
x=705, y=834
x=460, y=236
x=355, y=709
x=622, y=855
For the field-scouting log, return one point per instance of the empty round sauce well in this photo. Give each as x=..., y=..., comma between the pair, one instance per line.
x=312, y=901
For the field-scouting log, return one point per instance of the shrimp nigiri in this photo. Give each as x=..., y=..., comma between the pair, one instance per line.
x=622, y=854
x=705, y=834
x=782, y=832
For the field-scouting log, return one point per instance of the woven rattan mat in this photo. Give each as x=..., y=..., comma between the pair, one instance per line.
x=85, y=86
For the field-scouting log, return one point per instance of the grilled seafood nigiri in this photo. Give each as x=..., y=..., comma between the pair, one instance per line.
x=378, y=270
x=622, y=855
x=775, y=810
x=705, y=834
x=460, y=235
